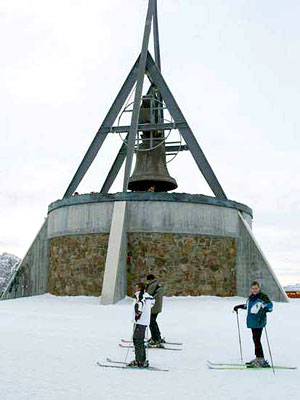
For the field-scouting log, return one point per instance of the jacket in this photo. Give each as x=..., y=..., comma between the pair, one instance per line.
x=257, y=306
x=142, y=308
x=156, y=290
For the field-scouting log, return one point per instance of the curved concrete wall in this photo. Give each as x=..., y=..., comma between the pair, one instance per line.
x=80, y=219
x=146, y=216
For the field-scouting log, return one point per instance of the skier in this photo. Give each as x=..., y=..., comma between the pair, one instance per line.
x=258, y=304
x=142, y=311
x=155, y=289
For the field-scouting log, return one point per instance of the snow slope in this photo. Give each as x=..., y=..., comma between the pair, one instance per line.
x=292, y=287
x=49, y=346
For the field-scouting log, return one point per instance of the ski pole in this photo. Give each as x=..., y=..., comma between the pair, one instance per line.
x=147, y=345
x=240, y=342
x=270, y=350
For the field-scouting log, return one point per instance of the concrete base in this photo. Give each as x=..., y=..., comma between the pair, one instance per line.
x=196, y=244
x=115, y=276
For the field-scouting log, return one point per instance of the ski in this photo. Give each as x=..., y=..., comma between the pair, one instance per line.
x=243, y=366
x=124, y=346
x=225, y=368
x=128, y=367
x=226, y=364
x=116, y=362
x=163, y=342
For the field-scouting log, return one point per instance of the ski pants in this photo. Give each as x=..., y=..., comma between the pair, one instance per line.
x=256, y=334
x=154, y=329
x=139, y=343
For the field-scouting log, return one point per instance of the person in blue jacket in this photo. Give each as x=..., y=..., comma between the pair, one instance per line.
x=258, y=305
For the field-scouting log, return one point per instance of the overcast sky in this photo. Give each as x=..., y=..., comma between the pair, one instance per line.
x=232, y=65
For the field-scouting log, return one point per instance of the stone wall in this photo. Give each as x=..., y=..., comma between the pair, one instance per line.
x=187, y=264
x=77, y=264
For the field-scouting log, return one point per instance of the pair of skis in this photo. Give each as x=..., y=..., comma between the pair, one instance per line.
x=127, y=344
x=237, y=366
x=124, y=365
x=163, y=342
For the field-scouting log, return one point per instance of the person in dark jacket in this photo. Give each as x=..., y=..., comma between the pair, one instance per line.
x=258, y=305
x=155, y=289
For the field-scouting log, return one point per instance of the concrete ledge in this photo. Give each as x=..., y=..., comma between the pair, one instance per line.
x=146, y=216
x=148, y=196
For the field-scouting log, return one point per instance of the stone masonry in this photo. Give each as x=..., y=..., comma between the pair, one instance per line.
x=77, y=264
x=187, y=264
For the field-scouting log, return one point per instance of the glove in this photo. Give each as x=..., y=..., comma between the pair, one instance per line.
x=137, y=316
x=235, y=308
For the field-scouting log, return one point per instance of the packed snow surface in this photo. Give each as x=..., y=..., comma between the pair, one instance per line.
x=50, y=345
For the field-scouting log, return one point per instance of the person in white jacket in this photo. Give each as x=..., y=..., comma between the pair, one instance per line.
x=142, y=314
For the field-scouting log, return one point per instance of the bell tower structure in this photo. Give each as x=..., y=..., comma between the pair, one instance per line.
x=101, y=243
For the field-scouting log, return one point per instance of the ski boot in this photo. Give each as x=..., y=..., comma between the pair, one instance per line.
x=252, y=362
x=263, y=363
x=132, y=363
x=156, y=345
x=260, y=362
x=144, y=364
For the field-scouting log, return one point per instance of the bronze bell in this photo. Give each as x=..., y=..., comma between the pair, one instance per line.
x=150, y=172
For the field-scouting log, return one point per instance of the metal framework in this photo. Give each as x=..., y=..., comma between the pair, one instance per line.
x=145, y=65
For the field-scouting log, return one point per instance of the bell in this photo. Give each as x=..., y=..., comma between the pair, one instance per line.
x=150, y=172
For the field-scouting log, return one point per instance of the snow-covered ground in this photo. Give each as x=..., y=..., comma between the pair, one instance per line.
x=49, y=346
x=293, y=287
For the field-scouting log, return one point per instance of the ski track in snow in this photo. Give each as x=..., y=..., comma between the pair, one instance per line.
x=50, y=345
